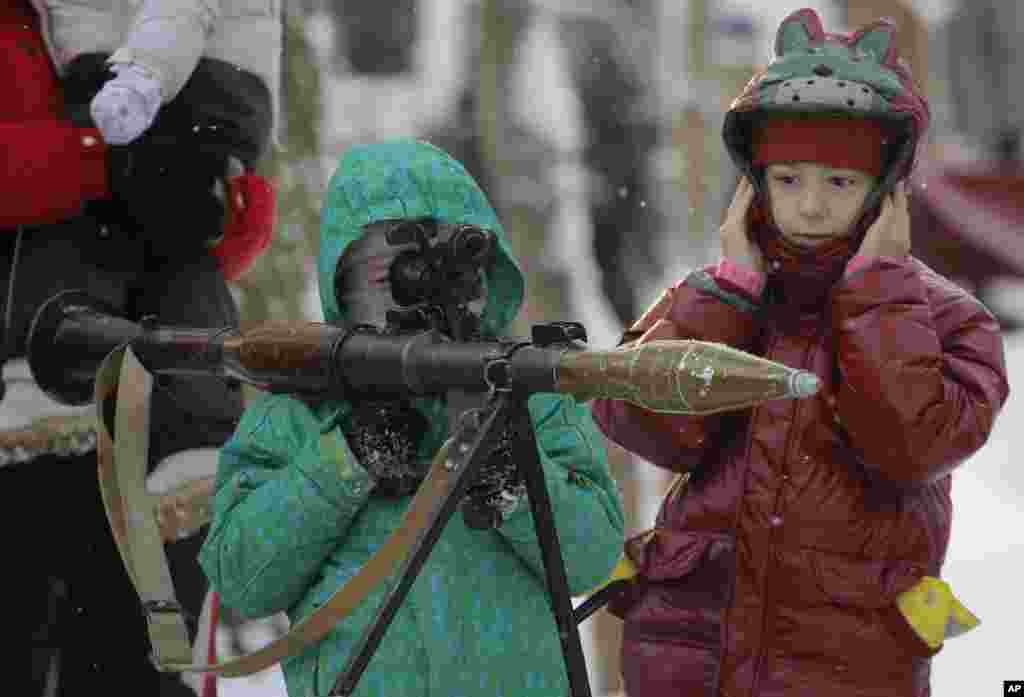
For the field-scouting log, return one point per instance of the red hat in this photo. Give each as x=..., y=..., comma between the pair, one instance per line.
x=842, y=143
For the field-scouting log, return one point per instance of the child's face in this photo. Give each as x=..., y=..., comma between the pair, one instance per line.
x=813, y=203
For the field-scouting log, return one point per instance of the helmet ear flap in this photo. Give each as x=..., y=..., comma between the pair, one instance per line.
x=898, y=159
x=760, y=208
x=737, y=133
x=758, y=176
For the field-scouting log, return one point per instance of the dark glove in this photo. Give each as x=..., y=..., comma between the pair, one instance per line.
x=384, y=436
x=497, y=488
x=168, y=189
x=164, y=181
x=157, y=175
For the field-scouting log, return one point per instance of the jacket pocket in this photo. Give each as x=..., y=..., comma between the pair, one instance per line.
x=683, y=585
x=866, y=591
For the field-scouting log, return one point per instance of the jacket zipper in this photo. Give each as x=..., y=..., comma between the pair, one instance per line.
x=770, y=563
x=769, y=344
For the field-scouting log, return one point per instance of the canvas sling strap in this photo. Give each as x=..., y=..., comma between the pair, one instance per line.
x=123, y=389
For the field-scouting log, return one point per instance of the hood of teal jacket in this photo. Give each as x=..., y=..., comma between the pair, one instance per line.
x=410, y=179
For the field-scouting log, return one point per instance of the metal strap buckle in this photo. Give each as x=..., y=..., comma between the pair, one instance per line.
x=151, y=607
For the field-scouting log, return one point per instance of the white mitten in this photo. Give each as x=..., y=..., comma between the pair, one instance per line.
x=126, y=105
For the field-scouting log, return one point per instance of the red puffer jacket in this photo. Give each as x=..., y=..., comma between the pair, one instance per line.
x=48, y=168
x=774, y=572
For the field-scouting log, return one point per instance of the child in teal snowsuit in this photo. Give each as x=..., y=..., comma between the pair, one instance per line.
x=297, y=513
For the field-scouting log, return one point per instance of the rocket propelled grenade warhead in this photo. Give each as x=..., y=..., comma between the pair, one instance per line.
x=682, y=376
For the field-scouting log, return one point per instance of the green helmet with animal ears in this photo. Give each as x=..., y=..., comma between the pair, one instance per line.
x=858, y=75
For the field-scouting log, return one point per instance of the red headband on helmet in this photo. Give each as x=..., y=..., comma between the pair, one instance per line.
x=841, y=143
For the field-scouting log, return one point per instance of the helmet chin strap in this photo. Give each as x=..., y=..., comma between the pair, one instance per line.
x=869, y=212
x=895, y=171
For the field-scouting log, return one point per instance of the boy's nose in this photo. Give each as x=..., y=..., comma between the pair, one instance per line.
x=812, y=202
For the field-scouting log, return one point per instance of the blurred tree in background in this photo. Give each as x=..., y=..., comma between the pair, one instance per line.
x=515, y=160
x=276, y=286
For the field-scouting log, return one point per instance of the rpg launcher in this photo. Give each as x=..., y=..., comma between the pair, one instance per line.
x=72, y=334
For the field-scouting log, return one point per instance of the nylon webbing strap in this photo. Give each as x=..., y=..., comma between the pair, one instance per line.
x=122, y=388
x=130, y=509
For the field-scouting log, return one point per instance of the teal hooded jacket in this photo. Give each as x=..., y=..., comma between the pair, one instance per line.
x=294, y=518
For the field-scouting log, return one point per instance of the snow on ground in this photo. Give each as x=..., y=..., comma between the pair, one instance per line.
x=985, y=554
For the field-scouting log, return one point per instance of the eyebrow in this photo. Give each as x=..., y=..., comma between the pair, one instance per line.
x=829, y=172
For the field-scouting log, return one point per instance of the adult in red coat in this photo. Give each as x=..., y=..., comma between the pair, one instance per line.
x=774, y=571
x=76, y=213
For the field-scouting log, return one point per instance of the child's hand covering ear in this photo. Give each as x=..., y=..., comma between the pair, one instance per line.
x=889, y=236
x=736, y=244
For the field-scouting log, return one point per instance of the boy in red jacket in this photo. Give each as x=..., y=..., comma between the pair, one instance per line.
x=776, y=569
